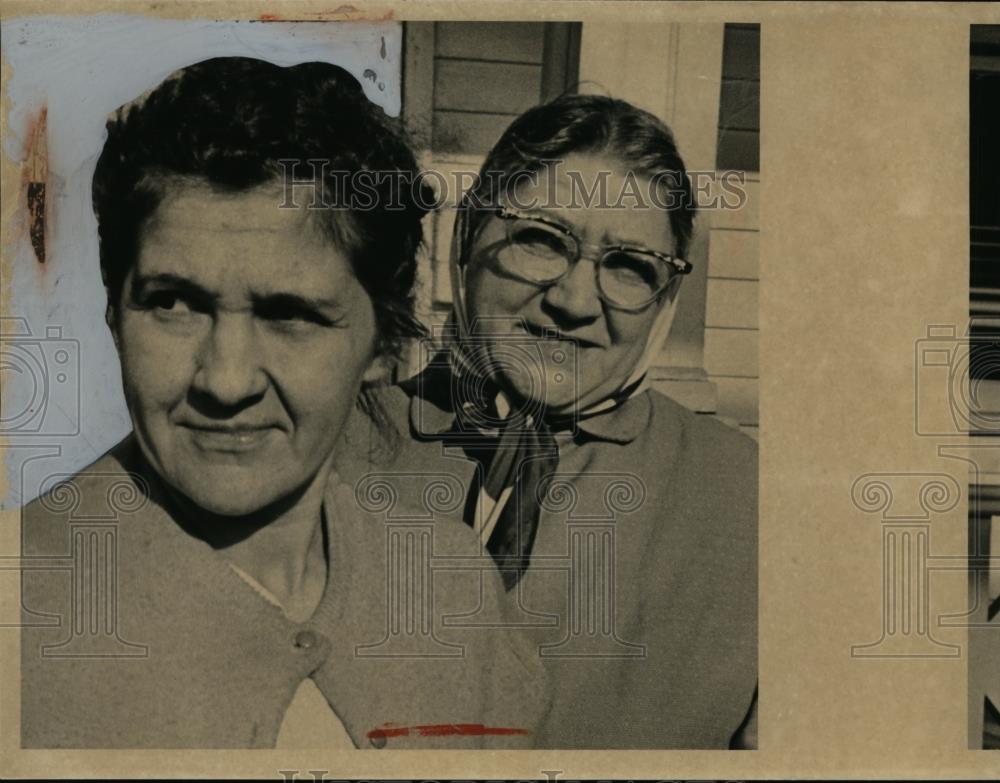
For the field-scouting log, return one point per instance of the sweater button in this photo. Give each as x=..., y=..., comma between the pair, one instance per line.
x=305, y=640
x=378, y=741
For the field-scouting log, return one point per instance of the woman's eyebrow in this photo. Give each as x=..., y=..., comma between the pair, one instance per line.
x=287, y=299
x=559, y=218
x=174, y=282
x=552, y=216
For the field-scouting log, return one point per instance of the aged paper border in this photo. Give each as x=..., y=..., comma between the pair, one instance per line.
x=864, y=243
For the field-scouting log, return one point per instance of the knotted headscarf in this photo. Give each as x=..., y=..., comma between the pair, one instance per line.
x=518, y=449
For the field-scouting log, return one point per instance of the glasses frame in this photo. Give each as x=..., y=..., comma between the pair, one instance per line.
x=679, y=265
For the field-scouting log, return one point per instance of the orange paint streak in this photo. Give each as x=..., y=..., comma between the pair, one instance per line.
x=34, y=178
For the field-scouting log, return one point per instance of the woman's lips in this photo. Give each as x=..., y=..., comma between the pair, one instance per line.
x=229, y=439
x=554, y=334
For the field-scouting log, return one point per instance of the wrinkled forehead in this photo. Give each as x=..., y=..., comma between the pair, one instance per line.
x=203, y=205
x=206, y=235
x=196, y=205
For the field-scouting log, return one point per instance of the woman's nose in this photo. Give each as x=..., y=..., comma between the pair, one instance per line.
x=576, y=295
x=229, y=363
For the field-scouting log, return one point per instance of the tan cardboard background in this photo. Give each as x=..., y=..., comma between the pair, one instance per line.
x=864, y=243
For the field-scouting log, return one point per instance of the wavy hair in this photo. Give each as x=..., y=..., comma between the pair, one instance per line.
x=236, y=123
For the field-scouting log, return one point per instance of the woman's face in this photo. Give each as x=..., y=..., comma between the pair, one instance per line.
x=243, y=336
x=608, y=341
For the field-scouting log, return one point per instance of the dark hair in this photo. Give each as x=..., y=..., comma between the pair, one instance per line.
x=232, y=121
x=594, y=124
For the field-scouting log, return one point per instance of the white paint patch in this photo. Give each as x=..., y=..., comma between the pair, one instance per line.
x=62, y=396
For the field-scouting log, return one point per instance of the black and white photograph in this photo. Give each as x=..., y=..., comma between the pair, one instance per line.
x=383, y=384
x=984, y=382
x=498, y=389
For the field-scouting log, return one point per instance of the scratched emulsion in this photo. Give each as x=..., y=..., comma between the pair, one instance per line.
x=62, y=399
x=342, y=13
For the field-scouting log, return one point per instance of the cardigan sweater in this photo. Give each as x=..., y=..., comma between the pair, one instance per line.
x=641, y=597
x=138, y=635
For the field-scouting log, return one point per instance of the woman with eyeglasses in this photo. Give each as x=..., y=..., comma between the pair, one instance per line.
x=623, y=524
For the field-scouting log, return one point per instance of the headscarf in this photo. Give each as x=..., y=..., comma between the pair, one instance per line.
x=521, y=453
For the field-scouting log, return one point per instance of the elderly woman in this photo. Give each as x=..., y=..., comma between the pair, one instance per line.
x=251, y=600
x=624, y=525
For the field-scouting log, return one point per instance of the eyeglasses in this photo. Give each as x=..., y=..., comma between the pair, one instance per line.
x=543, y=251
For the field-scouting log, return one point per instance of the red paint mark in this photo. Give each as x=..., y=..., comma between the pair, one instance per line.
x=445, y=730
x=382, y=733
x=270, y=18
x=35, y=175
